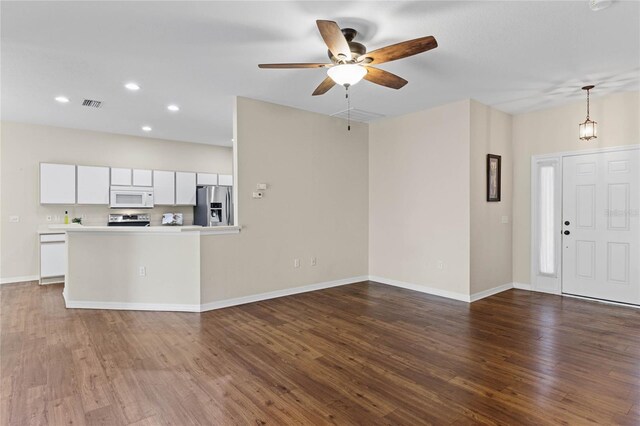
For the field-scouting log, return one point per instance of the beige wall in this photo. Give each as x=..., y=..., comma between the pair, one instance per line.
x=104, y=268
x=316, y=204
x=556, y=130
x=419, y=198
x=490, y=238
x=24, y=146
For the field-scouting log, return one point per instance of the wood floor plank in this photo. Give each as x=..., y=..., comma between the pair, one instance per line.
x=358, y=354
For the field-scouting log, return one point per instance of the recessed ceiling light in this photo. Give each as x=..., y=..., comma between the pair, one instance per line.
x=146, y=128
x=62, y=99
x=173, y=108
x=132, y=86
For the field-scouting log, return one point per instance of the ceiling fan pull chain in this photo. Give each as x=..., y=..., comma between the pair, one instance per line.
x=348, y=109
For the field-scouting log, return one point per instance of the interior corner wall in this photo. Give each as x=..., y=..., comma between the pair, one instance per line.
x=419, y=200
x=556, y=130
x=316, y=205
x=491, y=240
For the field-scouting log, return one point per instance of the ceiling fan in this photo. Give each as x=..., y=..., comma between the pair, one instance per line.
x=350, y=61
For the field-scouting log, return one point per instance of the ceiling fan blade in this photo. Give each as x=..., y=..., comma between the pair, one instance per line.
x=384, y=78
x=399, y=50
x=294, y=65
x=324, y=87
x=334, y=39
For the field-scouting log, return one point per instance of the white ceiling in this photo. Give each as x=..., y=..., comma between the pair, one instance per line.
x=515, y=56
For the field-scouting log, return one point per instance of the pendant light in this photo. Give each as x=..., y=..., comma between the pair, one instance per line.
x=588, y=129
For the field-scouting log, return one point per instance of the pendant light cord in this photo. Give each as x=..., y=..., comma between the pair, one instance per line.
x=588, y=103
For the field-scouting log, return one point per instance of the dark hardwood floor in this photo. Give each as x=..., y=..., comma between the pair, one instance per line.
x=359, y=354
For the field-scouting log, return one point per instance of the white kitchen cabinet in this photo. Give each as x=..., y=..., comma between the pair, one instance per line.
x=185, y=188
x=93, y=185
x=164, y=188
x=207, y=179
x=120, y=177
x=53, y=256
x=57, y=183
x=225, y=180
x=142, y=177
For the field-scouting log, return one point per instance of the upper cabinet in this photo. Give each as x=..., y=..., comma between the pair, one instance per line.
x=70, y=184
x=225, y=180
x=142, y=177
x=120, y=177
x=164, y=188
x=93, y=185
x=57, y=183
x=186, y=188
x=207, y=179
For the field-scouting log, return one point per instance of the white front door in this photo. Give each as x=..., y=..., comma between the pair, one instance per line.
x=601, y=225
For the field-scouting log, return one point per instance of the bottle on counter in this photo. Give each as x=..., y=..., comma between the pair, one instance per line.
x=66, y=217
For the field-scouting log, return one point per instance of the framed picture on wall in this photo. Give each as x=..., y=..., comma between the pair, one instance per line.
x=494, y=171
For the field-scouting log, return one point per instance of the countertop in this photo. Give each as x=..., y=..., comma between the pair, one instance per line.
x=61, y=228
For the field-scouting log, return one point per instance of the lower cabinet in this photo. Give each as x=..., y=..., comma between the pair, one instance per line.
x=53, y=258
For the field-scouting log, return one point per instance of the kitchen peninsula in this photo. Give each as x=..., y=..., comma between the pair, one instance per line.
x=137, y=268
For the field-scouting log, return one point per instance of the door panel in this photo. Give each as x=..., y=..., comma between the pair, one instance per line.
x=601, y=195
x=585, y=206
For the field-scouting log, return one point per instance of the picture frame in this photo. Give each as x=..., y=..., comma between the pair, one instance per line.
x=494, y=177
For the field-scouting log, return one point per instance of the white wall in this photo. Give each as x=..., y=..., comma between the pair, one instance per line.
x=491, y=240
x=419, y=198
x=316, y=204
x=556, y=130
x=24, y=146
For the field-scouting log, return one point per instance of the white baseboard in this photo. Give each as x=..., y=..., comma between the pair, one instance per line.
x=127, y=306
x=26, y=278
x=522, y=286
x=490, y=292
x=421, y=288
x=279, y=293
x=120, y=306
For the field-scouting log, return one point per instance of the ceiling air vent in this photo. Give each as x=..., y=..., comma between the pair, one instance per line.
x=358, y=115
x=91, y=103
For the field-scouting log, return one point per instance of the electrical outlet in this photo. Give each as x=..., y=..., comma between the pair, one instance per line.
x=49, y=218
x=142, y=271
x=258, y=194
x=440, y=264
x=296, y=263
x=314, y=261
x=14, y=219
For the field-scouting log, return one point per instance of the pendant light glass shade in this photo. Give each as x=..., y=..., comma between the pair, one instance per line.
x=589, y=129
x=347, y=74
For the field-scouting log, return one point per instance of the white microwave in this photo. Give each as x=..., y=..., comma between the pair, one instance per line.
x=131, y=197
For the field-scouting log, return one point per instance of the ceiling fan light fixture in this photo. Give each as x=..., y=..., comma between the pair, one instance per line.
x=347, y=74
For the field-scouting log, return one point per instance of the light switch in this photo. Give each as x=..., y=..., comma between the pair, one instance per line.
x=261, y=186
x=14, y=219
x=505, y=219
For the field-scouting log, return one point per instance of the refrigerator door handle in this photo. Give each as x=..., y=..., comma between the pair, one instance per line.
x=228, y=206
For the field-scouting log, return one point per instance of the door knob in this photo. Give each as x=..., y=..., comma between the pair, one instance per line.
x=567, y=223
x=566, y=232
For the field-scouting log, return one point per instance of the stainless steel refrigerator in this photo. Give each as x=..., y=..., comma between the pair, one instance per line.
x=214, y=206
